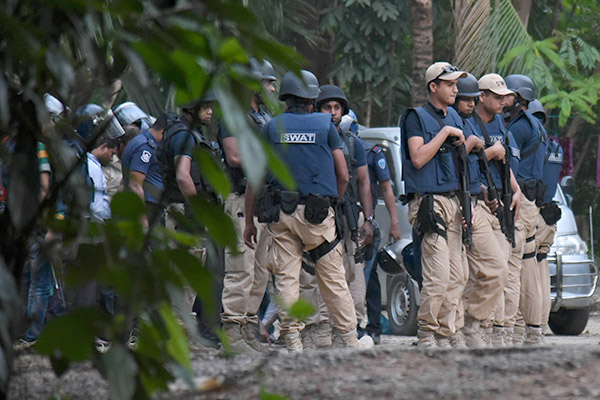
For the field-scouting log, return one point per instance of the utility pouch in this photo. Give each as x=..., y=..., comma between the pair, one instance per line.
x=316, y=208
x=289, y=201
x=428, y=221
x=551, y=213
x=268, y=204
x=529, y=188
x=540, y=193
x=339, y=219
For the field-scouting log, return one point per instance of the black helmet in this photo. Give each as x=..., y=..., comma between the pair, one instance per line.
x=522, y=85
x=264, y=71
x=468, y=86
x=332, y=92
x=90, y=116
x=306, y=86
x=537, y=109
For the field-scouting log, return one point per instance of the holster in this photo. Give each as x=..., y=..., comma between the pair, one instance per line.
x=534, y=190
x=428, y=221
x=316, y=208
x=551, y=213
x=289, y=201
x=267, y=205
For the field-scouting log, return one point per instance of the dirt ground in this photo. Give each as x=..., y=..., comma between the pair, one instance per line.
x=565, y=368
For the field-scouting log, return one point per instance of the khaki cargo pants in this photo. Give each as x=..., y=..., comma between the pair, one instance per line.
x=488, y=265
x=444, y=273
x=244, y=277
x=291, y=236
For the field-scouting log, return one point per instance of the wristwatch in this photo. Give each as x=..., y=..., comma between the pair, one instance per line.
x=370, y=219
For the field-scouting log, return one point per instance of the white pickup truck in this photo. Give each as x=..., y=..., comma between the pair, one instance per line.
x=573, y=275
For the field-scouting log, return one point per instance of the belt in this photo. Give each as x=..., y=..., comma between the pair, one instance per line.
x=445, y=194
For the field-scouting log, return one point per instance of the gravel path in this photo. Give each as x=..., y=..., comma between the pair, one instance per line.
x=565, y=368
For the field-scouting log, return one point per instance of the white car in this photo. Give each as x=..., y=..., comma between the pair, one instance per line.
x=573, y=275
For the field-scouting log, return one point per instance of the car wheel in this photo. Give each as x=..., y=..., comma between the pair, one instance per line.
x=569, y=321
x=402, y=305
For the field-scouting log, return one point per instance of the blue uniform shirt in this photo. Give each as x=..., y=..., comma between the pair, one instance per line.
x=305, y=142
x=378, y=168
x=140, y=156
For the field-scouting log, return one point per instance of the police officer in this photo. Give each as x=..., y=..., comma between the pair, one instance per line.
x=182, y=180
x=305, y=220
x=488, y=258
x=550, y=212
x=141, y=170
x=332, y=100
x=245, y=279
x=530, y=137
x=431, y=183
x=379, y=174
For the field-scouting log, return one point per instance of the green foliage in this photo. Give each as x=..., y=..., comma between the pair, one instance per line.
x=264, y=395
x=164, y=55
x=371, y=49
x=563, y=69
x=301, y=309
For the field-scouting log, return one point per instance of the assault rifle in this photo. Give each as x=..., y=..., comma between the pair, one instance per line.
x=507, y=197
x=492, y=191
x=350, y=212
x=464, y=195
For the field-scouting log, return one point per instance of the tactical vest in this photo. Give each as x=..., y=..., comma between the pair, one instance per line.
x=349, y=149
x=497, y=133
x=531, y=165
x=167, y=159
x=475, y=174
x=439, y=174
x=301, y=140
x=552, y=166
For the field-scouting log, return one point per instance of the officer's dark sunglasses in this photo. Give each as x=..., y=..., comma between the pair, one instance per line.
x=447, y=70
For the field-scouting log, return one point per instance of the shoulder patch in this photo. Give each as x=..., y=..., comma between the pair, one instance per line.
x=146, y=156
x=381, y=163
x=556, y=157
x=298, y=138
x=376, y=149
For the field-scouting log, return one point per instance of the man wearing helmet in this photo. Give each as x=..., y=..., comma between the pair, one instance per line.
x=488, y=259
x=246, y=277
x=304, y=220
x=332, y=100
x=550, y=212
x=530, y=138
x=183, y=180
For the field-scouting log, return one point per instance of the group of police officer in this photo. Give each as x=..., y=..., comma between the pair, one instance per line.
x=480, y=174
x=473, y=157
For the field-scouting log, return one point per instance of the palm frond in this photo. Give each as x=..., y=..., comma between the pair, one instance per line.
x=486, y=33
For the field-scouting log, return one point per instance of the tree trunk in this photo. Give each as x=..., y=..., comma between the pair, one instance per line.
x=422, y=29
x=555, y=15
x=523, y=8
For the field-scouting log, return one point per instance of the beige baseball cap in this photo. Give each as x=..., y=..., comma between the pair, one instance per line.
x=495, y=84
x=444, y=71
